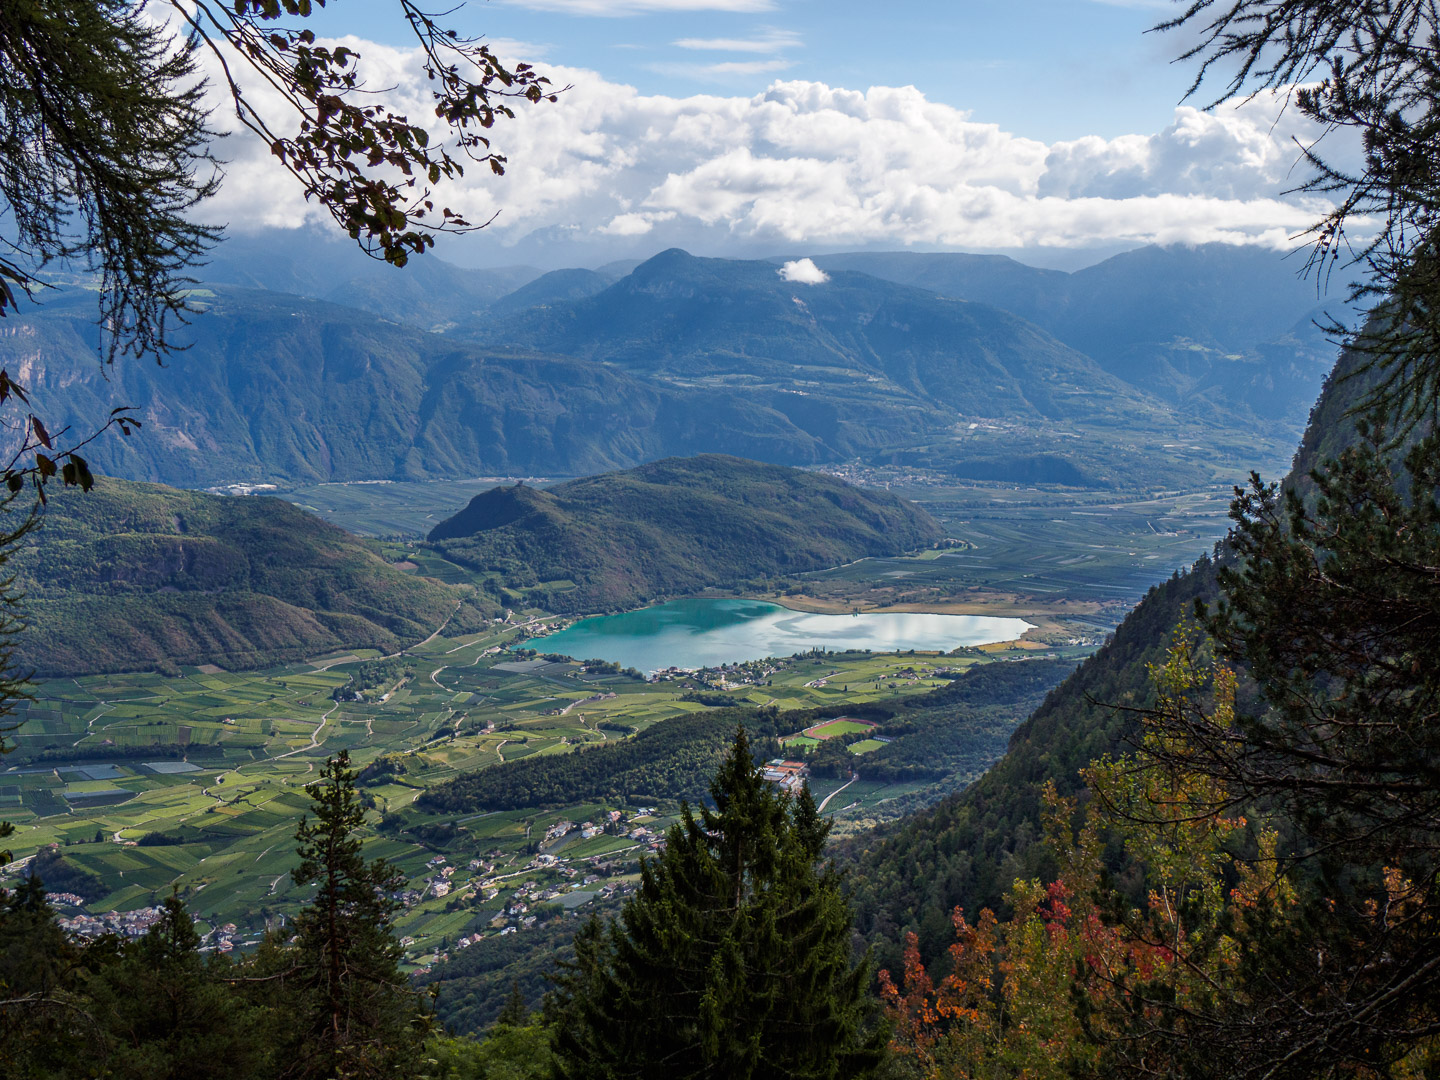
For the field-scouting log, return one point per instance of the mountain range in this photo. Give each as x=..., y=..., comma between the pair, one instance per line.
x=336, y=368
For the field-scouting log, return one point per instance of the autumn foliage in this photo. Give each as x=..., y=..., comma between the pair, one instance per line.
x=1091, y=975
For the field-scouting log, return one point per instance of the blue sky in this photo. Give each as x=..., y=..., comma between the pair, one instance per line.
x=1049, y=129
x=1047, y=69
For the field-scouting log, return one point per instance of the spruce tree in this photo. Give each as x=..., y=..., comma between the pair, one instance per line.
x=733, y=959
x=167, y=1013
x=354, y=1014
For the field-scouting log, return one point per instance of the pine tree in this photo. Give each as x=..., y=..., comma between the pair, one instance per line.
x=516, y=1012
x=167, y=1013
x=354, y=1015
x=733, y=959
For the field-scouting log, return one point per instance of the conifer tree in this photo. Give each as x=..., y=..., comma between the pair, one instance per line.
x=354, y=1014
x=516, y=1012
x=732, y=960
x=44, y=1027
x=168, y=1013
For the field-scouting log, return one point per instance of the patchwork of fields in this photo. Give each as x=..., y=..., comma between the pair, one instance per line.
x=209, y=769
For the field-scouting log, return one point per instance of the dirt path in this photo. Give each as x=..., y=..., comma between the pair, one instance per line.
x=314, y=744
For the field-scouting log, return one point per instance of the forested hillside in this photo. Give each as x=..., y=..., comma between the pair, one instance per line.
x=1215, y=329
x=968, y=850
x=280, y=387
x=133, y=577
x=674, y=527
x=718, y=318
x=948, y=734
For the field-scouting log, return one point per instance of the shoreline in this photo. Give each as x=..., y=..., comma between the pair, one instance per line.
x=1040, y=622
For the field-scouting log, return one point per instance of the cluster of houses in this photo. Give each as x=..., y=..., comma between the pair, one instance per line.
x=135, y=924
x=788, y=775
x=126, y=924
x=438, y=883
x=222, y=938
x=612, y=822
x=724, y=677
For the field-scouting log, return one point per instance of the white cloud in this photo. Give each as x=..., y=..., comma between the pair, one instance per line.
x=615, y=8
x=803, y=272
x=727, y=69
x=634, y=224
x=772, y=42
x=808, y=163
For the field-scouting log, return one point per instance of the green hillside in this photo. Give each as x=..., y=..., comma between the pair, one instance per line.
x=132, y=577
x=967, y=850
x=674, y=527
x=1220, y=331
x=281, y=387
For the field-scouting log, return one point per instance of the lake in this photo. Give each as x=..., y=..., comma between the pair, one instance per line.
x=708, y=633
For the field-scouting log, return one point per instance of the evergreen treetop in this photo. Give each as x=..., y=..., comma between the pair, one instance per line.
x=732, y=960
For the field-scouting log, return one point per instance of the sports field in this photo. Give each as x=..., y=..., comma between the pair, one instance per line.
x=840, y=726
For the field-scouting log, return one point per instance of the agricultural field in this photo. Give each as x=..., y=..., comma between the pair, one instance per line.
x=842, y=725
x=197, y=782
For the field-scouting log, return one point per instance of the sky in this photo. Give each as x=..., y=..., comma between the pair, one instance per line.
x=1047, y=69
x=1054, y=130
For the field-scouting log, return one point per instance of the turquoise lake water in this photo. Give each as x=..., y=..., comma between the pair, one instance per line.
x=707, y=633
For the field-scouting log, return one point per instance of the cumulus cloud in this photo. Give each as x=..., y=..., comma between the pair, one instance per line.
x=803, y=162
x=803, y=272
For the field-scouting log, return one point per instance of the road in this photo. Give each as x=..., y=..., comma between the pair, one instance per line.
x=825, y=802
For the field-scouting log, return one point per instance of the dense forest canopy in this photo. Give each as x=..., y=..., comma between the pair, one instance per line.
x=673, y=527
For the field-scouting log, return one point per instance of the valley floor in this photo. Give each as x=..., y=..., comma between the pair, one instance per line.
x=196, y=782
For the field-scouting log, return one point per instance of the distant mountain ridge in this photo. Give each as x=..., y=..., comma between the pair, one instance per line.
x=281, y=387
x=857, y=338
x=578, y=371
x=1212, y=327
x=672, y=528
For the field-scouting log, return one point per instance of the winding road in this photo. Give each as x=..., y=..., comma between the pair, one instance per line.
x=826, y=801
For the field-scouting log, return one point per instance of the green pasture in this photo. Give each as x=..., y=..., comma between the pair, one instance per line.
x=235, y=817
x=832, y=728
